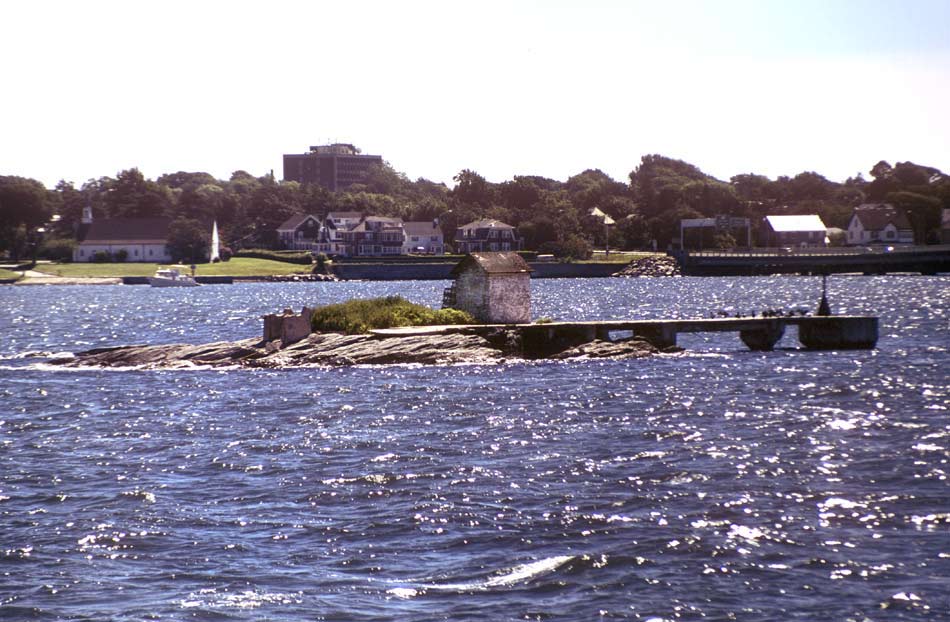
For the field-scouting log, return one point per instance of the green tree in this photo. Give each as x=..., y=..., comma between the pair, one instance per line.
x=632, y=232
x=472, y=189
x=809, y=185
x=130, y=195
x=269, y=207
x=751, y=187
x=69, y=206
x=571, y=247
x=923, y=211
x=188, y=240
x=24, y=206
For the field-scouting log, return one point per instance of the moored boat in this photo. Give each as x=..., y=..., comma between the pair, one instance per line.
x=171, y=277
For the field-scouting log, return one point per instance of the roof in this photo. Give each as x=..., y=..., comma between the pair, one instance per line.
x=486, y=223
x=293, y=222
x=425, y=227
x=876, y=216
x=345, y=215
x=789, y=224
x=493, y=263
x=128, y=230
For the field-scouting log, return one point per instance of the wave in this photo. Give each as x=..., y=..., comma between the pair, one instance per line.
x=521, y=573
x=37, y=354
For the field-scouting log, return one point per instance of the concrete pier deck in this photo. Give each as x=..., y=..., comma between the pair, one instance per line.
x=836, y=332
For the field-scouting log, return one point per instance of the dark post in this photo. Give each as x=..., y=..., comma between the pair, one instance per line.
x=823, y=307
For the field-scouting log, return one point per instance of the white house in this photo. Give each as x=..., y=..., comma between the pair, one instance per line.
x=880, y=223
x=795, y=230
x=423, y=237
x=125, y=239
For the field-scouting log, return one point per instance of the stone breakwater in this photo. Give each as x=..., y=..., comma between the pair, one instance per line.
x=657, y=265
x=333, y=349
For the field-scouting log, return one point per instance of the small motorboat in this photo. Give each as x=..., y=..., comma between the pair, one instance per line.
x=170, y=277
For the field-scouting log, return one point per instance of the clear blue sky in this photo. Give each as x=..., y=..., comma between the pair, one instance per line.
x=503, y=88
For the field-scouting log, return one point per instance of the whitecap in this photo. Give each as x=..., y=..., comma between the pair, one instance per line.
x=838, y=502
x=518, y=574
x=746, y=533
x=403, y=592
x=248, y=599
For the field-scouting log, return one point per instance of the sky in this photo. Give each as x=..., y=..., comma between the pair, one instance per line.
x=552, y=88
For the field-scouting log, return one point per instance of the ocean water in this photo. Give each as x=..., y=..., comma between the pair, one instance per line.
x=712, y=485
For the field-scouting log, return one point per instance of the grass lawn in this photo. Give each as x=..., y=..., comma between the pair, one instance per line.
x=237, y=266
x=8, y=274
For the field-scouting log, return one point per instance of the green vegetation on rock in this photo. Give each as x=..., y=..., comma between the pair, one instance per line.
x=360, y=316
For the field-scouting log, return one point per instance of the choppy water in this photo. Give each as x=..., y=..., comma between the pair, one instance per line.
x=720, y=484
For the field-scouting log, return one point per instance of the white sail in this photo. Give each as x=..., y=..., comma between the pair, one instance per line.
x=215, y=243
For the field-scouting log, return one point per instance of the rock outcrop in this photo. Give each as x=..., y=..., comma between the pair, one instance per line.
x=654, y=265
x=332, y=349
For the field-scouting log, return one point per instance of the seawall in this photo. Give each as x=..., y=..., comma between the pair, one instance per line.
x=442, y=271
x=921, y=259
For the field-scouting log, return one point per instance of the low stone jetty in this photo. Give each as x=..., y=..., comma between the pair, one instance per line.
x=653, y=265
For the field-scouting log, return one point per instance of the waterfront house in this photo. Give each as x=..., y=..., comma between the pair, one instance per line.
x=374, y=236
x=344, y=220
x=494, y=287
x=423, y=237
x=796, y=230
x=945, y=226
x=123, y=239
x=879, y=223
x=487, y=235
x=303, y=232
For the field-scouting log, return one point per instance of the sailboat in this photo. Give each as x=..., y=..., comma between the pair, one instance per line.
x=215, y=244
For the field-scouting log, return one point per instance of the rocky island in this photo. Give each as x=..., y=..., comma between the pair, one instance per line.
x=434, y=346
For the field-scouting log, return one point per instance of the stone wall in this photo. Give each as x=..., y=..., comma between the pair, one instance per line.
x=509, y=297
x=288, y=327
x=471, y=294
x=442, y=271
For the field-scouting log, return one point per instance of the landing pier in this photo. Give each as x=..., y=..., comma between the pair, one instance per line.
x=926, y=260
x=837, y=332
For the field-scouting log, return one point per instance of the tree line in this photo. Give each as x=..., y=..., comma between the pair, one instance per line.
x=551, y=215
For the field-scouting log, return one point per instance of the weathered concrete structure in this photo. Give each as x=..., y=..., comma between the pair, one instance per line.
x=288, y=327
x=815, y=333
x=494, y=287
